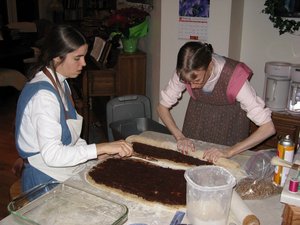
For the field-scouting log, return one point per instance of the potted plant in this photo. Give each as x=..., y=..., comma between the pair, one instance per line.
x=285, y=24
x=128, y=24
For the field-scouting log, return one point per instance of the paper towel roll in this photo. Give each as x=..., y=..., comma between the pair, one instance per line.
x=241, y=211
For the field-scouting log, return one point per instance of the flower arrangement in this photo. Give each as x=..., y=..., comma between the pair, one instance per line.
x=285, y=25
x=128, y=23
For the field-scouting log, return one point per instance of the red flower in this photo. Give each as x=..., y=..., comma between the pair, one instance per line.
x=123, y=19
x=117, y=20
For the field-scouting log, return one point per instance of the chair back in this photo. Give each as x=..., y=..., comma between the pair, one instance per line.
x=126, y=107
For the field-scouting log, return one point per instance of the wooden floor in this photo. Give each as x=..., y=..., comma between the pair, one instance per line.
x=8, y=152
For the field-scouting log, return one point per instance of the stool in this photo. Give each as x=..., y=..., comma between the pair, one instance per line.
x=15, y=189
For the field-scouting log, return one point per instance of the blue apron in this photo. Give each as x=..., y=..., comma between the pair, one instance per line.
x=31, y=176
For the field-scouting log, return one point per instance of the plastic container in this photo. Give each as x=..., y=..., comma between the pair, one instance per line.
x=277, y=83
x=124, y=128
x=209, y=193
x=55, y=203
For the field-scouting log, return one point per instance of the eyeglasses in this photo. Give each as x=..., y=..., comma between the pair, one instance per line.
x=200, y=78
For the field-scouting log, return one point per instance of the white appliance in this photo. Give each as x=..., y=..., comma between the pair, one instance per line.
x=293, y=104
x=277, y=84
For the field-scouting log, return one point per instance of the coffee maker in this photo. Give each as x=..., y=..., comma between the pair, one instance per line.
x=277, y=84
x=293, y=104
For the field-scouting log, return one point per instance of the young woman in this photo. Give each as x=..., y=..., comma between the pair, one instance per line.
x=221, y=104
x=47, y=125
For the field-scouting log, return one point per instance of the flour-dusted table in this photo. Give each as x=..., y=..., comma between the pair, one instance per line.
x=269, y=210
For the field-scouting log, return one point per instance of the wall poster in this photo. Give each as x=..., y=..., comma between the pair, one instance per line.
x=193, y=19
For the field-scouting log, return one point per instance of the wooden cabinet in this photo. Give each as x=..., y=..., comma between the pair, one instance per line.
x=285, y=124
x=290, y=215
x=131, y=74
x=101, y=82
x=128, y=77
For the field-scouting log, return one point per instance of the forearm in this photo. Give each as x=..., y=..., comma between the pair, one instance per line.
x=261, y=134
x=167, y=118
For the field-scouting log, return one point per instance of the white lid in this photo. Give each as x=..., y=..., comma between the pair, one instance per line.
x=281, y=69
x=281, y=78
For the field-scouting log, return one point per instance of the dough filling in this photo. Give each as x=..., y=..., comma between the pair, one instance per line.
x=144, y=180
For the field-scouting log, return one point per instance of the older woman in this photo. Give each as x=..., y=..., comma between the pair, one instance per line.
x=221, y=104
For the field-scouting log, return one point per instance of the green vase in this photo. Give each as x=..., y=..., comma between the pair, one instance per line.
x=130, y=44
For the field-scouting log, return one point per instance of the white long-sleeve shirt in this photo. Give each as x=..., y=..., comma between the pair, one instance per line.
x=40, y=131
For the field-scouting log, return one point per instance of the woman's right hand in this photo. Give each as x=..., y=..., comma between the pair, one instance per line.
x=214, y=154
x=185, y=145
x=121, y=147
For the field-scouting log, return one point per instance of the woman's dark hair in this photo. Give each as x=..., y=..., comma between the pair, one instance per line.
x=61, y=40
x=193, y=56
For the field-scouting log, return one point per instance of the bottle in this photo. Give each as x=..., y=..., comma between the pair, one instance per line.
x=285, y=151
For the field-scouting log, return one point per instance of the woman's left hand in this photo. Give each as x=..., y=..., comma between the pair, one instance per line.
x=213, y=154
x=121, y=147
x=185, y=145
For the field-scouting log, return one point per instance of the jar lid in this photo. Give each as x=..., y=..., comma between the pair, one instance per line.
x=281, y=69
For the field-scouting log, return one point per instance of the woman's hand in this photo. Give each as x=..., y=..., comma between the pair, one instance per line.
x=213, y=154
x=263, y=132
x=121, y=147
x=185, y=145
x=103, y=157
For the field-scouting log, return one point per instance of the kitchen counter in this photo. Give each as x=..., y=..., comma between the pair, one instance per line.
x=268, y=211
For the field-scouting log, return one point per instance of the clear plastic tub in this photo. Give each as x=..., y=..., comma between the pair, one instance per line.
x=209, y=193
x=55, y=203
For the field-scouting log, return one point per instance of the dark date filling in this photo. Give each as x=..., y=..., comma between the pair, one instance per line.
x=150, y=182
x=160, y=153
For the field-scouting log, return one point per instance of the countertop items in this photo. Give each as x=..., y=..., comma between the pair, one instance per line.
x=54, y=203
x=268, y=211
x=288, y=197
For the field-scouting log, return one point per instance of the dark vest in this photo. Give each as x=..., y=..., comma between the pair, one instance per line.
x=212, y=118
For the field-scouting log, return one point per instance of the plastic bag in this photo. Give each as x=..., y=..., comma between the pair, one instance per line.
x=259, y=165
x=259, y=182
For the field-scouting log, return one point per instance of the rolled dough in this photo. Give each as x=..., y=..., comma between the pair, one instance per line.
x=168, y=142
